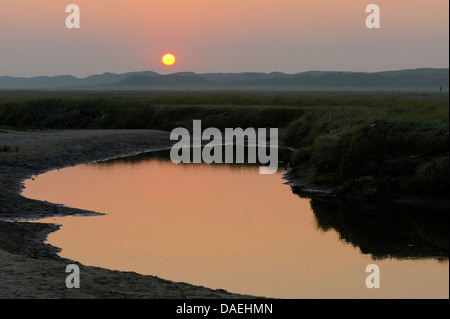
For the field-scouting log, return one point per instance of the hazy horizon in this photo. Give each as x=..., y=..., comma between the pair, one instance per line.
x=287, y=36
x=198, y=73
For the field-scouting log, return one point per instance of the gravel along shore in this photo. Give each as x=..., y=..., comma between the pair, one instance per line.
x=29, y=268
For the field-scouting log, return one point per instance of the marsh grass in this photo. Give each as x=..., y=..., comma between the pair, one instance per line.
x=319, y=113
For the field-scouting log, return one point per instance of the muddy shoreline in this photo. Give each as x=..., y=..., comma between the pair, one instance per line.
x=29, y=268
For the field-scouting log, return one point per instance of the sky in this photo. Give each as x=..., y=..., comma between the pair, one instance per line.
x=209, y=36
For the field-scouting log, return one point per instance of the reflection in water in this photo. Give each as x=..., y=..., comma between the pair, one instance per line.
x=229, y=227
x=389, y=231
x=164, y=155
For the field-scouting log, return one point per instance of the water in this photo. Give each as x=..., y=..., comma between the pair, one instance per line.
x=229, y=227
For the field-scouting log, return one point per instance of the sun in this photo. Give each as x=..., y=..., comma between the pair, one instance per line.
x=168, y=59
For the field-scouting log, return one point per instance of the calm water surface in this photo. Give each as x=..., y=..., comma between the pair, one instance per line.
x=230, y=227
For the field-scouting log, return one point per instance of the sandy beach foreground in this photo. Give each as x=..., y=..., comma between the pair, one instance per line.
x=29, y=268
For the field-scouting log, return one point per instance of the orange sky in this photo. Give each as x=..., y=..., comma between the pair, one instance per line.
x=220, y=36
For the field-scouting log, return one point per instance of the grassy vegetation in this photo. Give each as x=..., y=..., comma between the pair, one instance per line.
x=392, y=143
x=380, y=159
x=431, y=177
x=140, y=110
x=126, y=113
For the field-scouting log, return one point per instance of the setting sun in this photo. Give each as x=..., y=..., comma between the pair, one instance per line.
x=168, y=59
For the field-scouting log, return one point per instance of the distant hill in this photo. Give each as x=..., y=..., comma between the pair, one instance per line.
x=425, y=78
